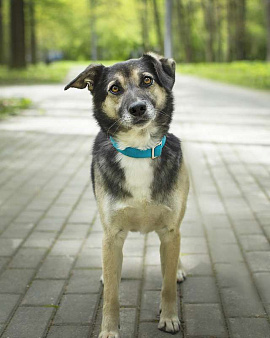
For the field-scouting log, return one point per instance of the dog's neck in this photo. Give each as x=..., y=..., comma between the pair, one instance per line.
x=139, y=138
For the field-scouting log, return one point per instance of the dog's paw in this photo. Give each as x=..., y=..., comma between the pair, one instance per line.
x=101, y=279
x=109, y=334
x=181, y=275
x=171, y=325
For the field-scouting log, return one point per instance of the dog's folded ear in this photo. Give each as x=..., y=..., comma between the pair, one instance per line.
x=165, y=69
x=88, y=77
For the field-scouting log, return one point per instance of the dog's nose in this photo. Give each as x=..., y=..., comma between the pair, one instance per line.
x=137, y=108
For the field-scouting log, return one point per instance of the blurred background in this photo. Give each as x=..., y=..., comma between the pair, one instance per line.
x=50, y=232
x=228, y=40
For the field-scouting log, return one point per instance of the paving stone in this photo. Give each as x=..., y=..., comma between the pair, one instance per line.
x=254, y=242
x=89, y=258
x=76, y=309
x=259, y=261
x=193, y=245
x=28, y=322
x=152, y=256
x=262, y=281
x=68, y=331
x=40, y=239
x=249, y=327
x=150, y=305
x=127, y=322
x=197, y=264
x=8, y=246
x=247, y=227
x=226, y=253
x=204, y=320
x=242, y=301
x=20, y=280
x=50, y=224
x=94, y=240
x=28, y=258
x=56, y=267
x=200, y=290
x=66, y=247
x=7, y=304
x=220, y=235
x=3, y=262
x=84, y=281
x=133, y=247
x=152, y=277
x=191, y=229
x=232, y=274
x=85, y=216
x=17, y=230
x=74, y=231
x=129, y=292
x=43, y=292
x=132, y=267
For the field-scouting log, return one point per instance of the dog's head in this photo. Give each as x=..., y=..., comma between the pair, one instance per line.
x=134, y=94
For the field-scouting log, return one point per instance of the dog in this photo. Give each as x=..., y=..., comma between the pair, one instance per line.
x=138, y=173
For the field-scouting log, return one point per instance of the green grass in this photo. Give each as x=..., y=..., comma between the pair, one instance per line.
x=41, y=73
x=13, y=106
x=35, y=74
x=252, y=74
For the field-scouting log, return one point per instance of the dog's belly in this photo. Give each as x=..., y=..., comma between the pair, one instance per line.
x=143, y=218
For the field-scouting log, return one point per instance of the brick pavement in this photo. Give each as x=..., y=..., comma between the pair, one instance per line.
x=50, y=234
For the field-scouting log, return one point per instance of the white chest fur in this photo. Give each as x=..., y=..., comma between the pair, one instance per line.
x=138, y=176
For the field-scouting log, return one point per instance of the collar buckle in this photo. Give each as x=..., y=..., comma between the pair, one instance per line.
x=153, y=150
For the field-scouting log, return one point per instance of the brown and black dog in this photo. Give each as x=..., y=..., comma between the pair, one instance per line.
x=138, y=173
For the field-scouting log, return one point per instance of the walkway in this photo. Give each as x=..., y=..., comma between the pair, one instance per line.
x=50, y=234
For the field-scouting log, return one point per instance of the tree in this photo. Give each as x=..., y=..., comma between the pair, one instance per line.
x=184, y=24
x=145, y=35
x=241, y=30
x=268, y=28
x=210, y=28
x=94, y=55
x=17, y=43
x=157, y=25
x=32, y=26
x=1, y=34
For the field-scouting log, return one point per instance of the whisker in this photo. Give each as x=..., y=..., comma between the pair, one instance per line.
x=112, y=126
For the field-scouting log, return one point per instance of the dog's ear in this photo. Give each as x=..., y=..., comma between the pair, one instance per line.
x=88, y=77
x=165, y=69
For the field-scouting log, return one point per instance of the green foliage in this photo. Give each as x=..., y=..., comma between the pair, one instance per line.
x=12, y=106
x=250, y=74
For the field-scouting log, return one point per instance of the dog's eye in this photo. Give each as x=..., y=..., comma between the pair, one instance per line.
x=147, y=80
x=114, y=89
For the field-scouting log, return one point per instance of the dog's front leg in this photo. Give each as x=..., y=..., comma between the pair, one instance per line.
x=169, y=255
x=112, y=266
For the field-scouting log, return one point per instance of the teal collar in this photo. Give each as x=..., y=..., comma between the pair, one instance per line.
x=138, y=153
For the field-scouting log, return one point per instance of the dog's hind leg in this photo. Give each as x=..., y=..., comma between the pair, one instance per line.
x=169, y=255
x=181, y=273
x=112, y=266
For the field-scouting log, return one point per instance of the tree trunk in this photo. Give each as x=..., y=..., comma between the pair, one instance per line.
x=158, y=27
x=219, y=21
x=17, y=42
x=32, y=21
x=168, y=29
x=145, y=36
x=1, y=34
x=93, y=33
x=231, y=20
x=268, y=28
x=184, y=25
x=241, y=30
x=209, y=22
